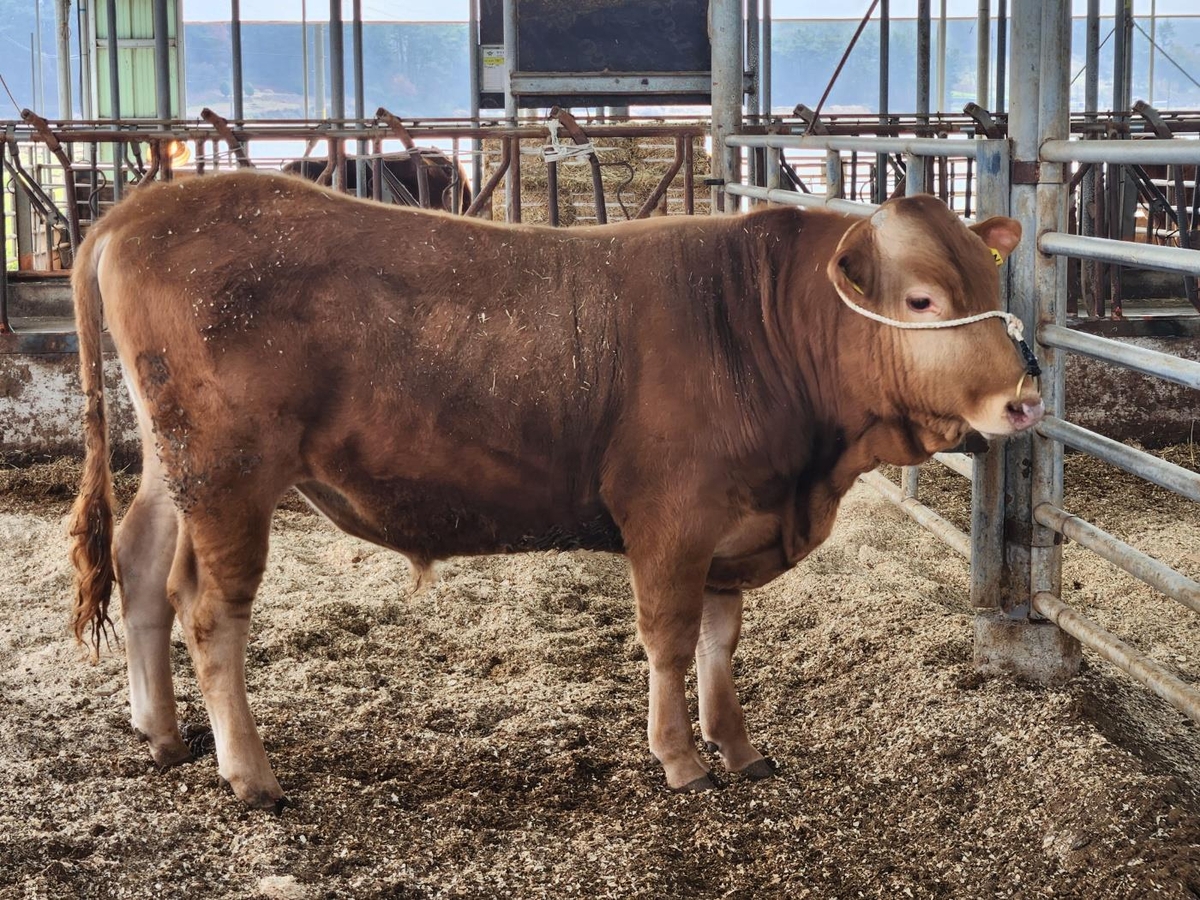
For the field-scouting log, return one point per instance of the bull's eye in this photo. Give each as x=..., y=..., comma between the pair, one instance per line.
x=919, y=304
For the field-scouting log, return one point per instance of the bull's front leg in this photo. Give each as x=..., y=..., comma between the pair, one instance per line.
x=722, y=721
x=669, y=592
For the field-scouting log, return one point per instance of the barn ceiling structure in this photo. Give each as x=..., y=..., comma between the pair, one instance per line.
x=1081, y=182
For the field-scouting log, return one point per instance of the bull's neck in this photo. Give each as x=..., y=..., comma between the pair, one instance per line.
x=840, y=372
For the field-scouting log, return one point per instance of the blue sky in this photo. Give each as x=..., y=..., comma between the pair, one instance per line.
x=456, y=10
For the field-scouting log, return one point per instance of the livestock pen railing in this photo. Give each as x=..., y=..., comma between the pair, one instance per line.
x=61, y=176
x=1054, y=431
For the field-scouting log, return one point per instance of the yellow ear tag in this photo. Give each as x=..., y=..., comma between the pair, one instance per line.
x=996, y=256
x=855, y=286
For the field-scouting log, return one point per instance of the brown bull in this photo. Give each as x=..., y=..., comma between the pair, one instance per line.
x=690, y=392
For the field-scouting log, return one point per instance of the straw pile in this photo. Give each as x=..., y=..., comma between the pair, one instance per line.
x=630, y=169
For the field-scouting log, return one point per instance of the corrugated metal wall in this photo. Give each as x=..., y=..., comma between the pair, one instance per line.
x=135, y=58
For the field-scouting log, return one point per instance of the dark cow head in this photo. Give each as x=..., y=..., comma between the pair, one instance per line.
x=915, y=261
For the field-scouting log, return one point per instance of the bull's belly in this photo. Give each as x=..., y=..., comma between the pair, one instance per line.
x=422, y=525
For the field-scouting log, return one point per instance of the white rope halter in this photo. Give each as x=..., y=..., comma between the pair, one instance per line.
x=1015, y=327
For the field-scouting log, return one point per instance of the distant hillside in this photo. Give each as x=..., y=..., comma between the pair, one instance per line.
x=413, y=70
x=422, y=69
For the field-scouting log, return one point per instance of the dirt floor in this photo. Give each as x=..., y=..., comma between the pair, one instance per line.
x=486, y=738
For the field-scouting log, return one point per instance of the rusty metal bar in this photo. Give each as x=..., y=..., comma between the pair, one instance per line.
x=396, y=127
x=953, y=537
x=377, y=173
x=1157, y=574
x=689, y=176
x=664, y=183
x=43, y=128
x=1140, y=667
x=337, y=157
x=485, y=195
x=221, y=126
x=422, y=180
x=264, y=129
x=513, y=200
x=579, y=136
x=5, y=327
x=156, y=156
x=552, y=192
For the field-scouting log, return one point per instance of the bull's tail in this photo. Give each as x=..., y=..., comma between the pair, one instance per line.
x=92, y=515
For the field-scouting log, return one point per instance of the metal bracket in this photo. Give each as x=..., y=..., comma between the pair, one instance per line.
x=984, y=121
x=809, y=118
x=1026, y=171
x=1022, y=534
x=1153, y=118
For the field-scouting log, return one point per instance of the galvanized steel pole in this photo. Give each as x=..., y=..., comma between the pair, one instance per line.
x=337, y=64
x=1026, y=63
x=319, y=68
x=924, y=13
x=1090, y=270
x=337, y=89
x=512, y=178
x=62, y=23
x=304, y=50
x=1001, y=54
x=941, y=69
x=473, y=69
x=992, y=165
x=235, y=33
x=881, y=159
x=162, y=61
x=764, y=82
x=1050, y=274
x=725, y=29
x=983, y=47
x=114, y=93
x=753, y=61
x=360, y=174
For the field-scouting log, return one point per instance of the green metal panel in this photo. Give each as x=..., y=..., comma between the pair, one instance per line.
x=135, y=65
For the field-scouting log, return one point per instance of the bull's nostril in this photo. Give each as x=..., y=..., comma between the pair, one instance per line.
x=1023, y=414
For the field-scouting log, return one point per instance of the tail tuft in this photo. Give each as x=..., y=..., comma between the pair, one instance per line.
x=92, y=514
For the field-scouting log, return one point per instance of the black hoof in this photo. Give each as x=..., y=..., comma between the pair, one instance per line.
x=200, y=739
x=711, y=747
x=705, y=782
x=281, y=804
x=760, y=769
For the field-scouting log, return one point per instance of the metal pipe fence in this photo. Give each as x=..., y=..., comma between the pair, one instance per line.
x=1017, y=517
x=105, y=162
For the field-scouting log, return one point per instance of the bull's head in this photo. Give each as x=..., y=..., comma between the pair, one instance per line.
x=914, y=261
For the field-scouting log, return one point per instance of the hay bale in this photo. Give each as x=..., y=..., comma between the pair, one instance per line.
x=630, y=170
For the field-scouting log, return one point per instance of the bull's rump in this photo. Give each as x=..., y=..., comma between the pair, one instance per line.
x=455, y=386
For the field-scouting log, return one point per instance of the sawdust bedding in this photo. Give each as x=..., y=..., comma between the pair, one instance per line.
x=486, y=737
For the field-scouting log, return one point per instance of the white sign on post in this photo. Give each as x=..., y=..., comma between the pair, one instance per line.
x=492, y=68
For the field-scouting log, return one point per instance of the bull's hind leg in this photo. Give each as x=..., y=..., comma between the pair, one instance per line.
x=219, y=562
x=722, y=721
x=145, y=546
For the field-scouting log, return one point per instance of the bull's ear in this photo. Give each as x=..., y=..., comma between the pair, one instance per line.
x=1000, y=234
x=854, y=269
